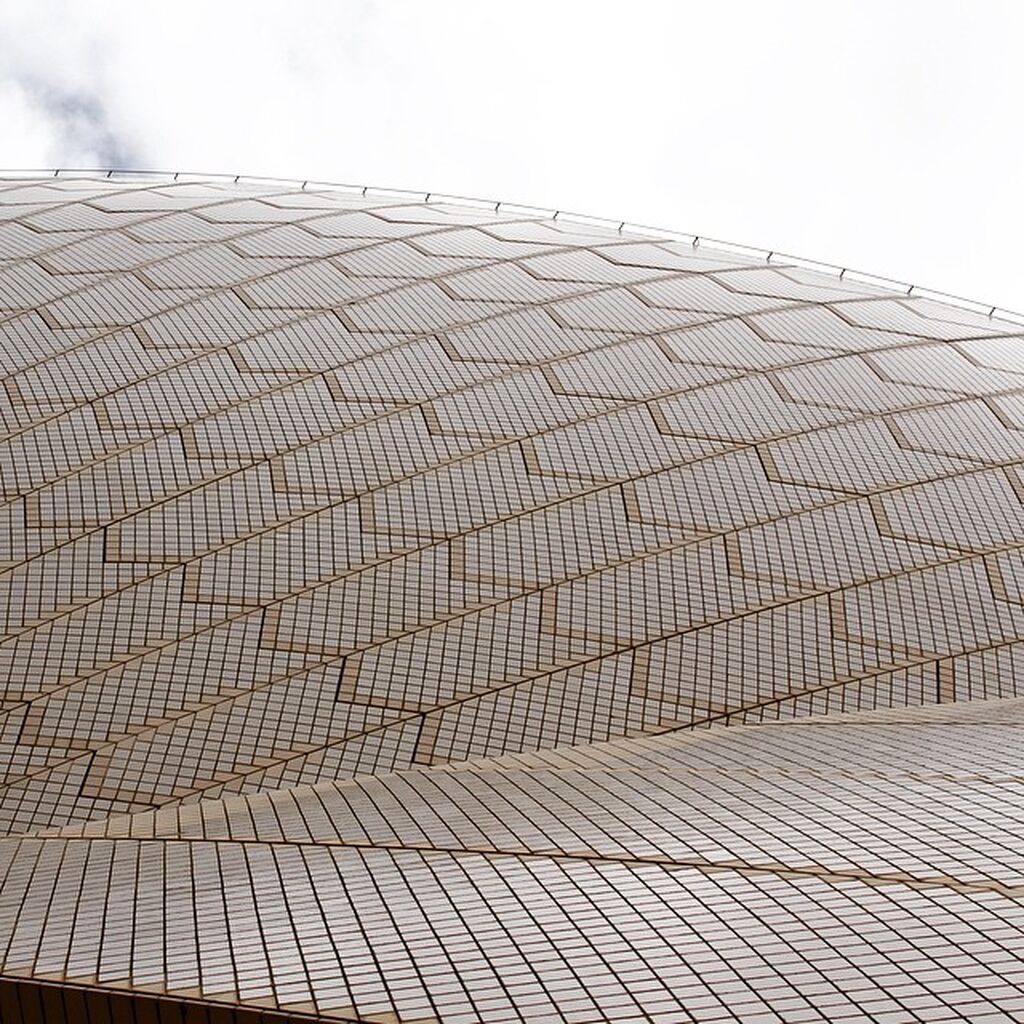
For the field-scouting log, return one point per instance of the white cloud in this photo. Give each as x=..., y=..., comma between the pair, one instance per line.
x=877, y=135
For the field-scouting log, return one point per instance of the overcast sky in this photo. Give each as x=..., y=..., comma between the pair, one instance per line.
x=881, y=136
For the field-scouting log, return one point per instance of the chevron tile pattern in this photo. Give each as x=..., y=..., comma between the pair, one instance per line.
x=370, y=573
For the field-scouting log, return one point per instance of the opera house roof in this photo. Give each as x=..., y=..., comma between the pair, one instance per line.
x=415, y=611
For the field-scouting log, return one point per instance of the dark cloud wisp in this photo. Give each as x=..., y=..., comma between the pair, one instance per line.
x=81, y=126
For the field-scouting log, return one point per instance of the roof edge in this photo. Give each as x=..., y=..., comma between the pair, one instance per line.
x=909, y=290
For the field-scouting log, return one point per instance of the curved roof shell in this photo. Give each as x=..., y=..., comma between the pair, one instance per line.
x=305, y=487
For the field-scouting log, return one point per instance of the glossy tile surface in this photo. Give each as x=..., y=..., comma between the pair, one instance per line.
x=306, y=496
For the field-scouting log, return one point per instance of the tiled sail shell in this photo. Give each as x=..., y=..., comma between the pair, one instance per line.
x=309, y=497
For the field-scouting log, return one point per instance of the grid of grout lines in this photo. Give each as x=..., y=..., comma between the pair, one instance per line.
x=366, y=566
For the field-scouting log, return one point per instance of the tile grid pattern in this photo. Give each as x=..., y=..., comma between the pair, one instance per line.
x=799, y=871
x=303, y=487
